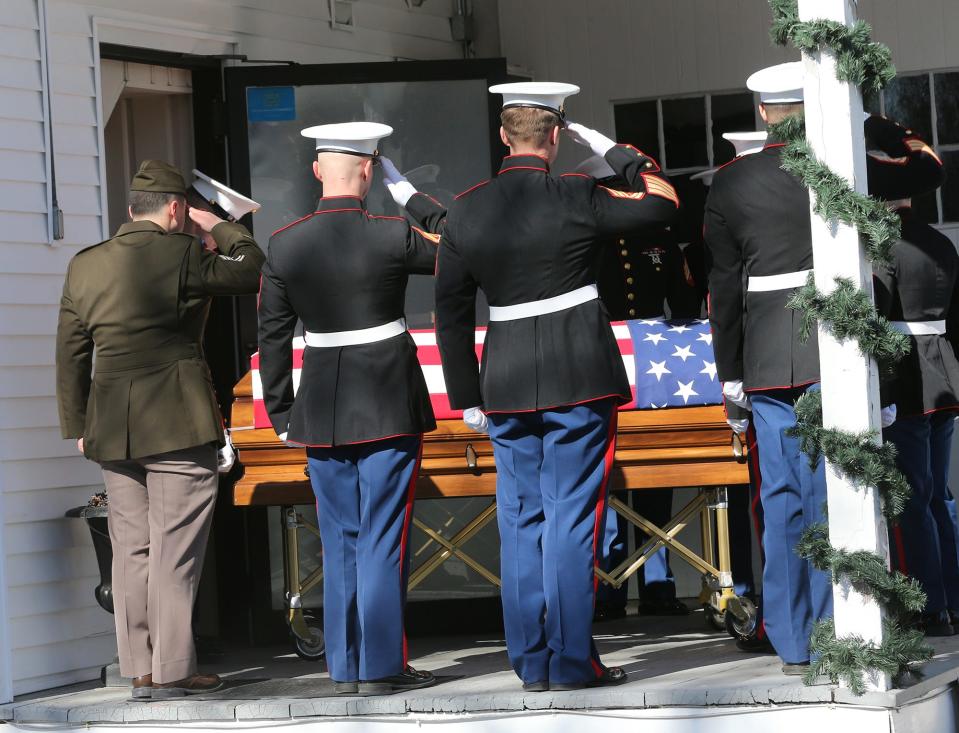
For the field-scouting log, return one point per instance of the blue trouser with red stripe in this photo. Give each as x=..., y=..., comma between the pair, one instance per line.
x=924, y=543
x=552, y=470
x=364, y=498
x=793, y=496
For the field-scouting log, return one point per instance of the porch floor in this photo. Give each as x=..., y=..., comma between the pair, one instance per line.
x=672, y=662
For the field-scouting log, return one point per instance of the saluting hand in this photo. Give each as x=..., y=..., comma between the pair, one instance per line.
x=206, y=220
x=595, y=141
x=400, y=189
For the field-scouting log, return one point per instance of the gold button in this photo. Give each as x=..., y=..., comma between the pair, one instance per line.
x=622, y=241
x=632, y=311
x=631, y=296
x=624, y=252
x=629, y=281
x=626, y=266
x=658, y=269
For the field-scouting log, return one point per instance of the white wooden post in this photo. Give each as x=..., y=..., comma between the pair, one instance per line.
x=850, y=386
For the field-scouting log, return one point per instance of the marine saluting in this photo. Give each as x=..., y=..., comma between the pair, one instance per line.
x=551, y=374
x=362, y=405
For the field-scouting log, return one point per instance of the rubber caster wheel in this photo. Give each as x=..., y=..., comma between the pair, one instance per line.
x=311, y=650
x=715, y=619
x=742, y=619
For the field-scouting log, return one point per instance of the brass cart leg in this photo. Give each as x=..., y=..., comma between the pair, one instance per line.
x=294, y=598
x=727, y=595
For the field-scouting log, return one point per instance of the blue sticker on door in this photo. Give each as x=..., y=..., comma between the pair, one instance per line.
x=270, y=104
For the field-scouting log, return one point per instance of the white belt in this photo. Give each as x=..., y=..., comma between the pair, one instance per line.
x=542, y=307
x=767, y=283
x=354, y=338
x=920, y=328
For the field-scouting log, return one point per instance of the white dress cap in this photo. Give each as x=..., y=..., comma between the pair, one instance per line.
x=548, y=95
x=746, y=143
x=596, y=166
x=236, y=205
x=356, y=138
x=780, y=84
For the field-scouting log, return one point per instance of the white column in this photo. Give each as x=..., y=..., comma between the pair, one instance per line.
x=850, y=388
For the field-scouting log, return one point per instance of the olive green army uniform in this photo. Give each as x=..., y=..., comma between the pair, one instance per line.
x=133, y=383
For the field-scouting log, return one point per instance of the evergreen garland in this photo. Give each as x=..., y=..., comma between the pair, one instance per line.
x=866, y=571
x=847, y=659
x=859, y=60
x=849, y=313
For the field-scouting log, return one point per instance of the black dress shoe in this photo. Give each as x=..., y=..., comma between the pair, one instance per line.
x=408, y=679
x=753, y=645
x=610, y=676
x=671, y=607
x=608, y=613
x=935, y=624
x=345, y=688
x=541, y=686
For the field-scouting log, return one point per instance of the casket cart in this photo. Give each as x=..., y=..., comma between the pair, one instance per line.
x=663, y=448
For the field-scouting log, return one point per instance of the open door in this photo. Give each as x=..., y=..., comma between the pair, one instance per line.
x=445, y=140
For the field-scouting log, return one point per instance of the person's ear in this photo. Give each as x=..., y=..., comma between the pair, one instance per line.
x=554, y=135
x=763, y=113
x=316, y=170
x=174, y=210
x=503, y=136
x=368, y=169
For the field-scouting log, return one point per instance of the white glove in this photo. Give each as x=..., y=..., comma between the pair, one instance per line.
x=475, y=419
x=226, y=456
x=400, y=189
x=733, y=391
x=739, y=426
x=887, y=415
x=595, y=141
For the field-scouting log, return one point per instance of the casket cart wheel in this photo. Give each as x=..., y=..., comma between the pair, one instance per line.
x=313, y=648
x=715, y=619
x=742, y=619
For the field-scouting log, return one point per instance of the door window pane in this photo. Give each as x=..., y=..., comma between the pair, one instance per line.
x=444, y=154
x=907, y=102
x=731, y=113
x=684, y=130
x=950, y=191
x=637, y=124
x=947, y=107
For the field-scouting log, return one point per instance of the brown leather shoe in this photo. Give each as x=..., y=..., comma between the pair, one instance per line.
x=197, y=684
x=143, y=687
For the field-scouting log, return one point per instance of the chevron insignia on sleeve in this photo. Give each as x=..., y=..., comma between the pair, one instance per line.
x=434, y=238
x=624, y=194
x=662, y=188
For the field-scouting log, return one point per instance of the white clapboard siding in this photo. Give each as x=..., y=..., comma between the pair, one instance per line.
x=59, y=635
x=626, y=50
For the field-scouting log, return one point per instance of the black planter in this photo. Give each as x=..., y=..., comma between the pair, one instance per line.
x=96, y=519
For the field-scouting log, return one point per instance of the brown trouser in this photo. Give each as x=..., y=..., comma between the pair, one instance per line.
x=160, y=512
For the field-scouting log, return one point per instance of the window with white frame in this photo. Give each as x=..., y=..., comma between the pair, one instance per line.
x=928, y=103
x=685, y=135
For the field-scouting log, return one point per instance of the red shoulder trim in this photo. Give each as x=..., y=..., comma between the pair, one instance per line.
x=420, y=193
x=470, y=190
x=302, y=218
x=574, y=175
x=375, y=216
x=524, y=168
x=344, y=196
x=526, y=155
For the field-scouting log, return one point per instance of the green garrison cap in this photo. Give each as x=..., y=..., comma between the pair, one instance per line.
x=158, y=177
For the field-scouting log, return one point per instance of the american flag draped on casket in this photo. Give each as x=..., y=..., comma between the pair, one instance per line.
x=669, y=364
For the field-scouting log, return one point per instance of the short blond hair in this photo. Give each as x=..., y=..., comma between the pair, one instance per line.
x=528, y=125
x=776, y=113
